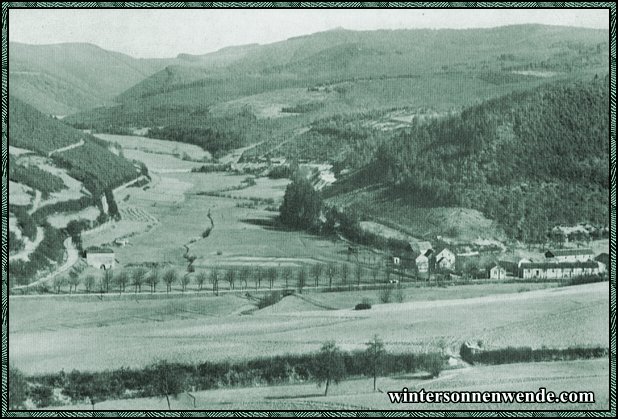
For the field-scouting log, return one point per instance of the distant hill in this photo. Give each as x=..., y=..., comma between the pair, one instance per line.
x=289, y=85
x=62, y=79
x=528, y=160
x=342, y=54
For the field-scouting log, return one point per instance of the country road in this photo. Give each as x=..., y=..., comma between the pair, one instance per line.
x=72, y=258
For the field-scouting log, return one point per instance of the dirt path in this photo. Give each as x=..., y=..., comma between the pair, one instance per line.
x=72, y=258
x=67, y=148
x=36, y=203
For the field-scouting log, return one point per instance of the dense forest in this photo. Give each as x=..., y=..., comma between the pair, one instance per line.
x=91, y=163
x=529, y=160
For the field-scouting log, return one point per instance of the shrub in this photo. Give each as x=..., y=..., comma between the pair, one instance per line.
x=433, y=364
x=365, y=305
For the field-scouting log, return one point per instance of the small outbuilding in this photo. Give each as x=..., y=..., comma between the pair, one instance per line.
x=497, y=272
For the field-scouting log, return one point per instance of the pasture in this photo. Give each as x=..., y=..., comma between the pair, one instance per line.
x=357, y=394
x=154, y=146
x=47, y=334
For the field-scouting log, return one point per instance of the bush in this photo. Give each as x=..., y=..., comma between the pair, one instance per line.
x=433, y=363
x=365, y=305
x=512, y=355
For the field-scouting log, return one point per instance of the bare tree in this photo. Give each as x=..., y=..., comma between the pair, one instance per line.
x=200, y=279
x=169, y=277
x=375, y=357
x=258, y=276
x=243, y=276
x=345, y=272
x=230, y=277
x=153, y=279
x=316, y=271
x=331, y=272
x=185, y=280
x=138, y=277
x=89, y=282
x=108, y=279
x=74, y=281
x=301, y=279
x=271, y=273
x=287, y=275
x=59, y=282
x=214, y=280
x=121, y=279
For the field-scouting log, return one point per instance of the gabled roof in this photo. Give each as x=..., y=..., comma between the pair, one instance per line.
x=559, y=265
x=420, y=246
x=94, y=249
x=568, y=252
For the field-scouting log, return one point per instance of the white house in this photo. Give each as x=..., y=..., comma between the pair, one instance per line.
x=445, y=259
x=422, y=262
x=101, y=258
x=497, y=272
x=558, y=270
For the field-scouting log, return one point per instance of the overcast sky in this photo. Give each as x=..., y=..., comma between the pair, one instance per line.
x=168, y=32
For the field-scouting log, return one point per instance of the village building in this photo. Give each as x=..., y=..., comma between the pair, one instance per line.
x=422, y=262
x=558, y=270
x=603, y=261
x=497, y=272
x=445, y=259
x=100, y=258
x=568, y=255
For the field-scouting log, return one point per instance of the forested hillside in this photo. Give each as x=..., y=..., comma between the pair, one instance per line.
x=528, y=160
x=311, y=77
x=79, y=153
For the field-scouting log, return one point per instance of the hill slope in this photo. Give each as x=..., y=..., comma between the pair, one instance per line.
x=528, y=160
x=300, y=80
x=56, y=172
x=79, y=153
x=62, y=79
x=343, y=54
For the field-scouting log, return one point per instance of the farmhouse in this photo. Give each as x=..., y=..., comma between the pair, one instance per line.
x=497, y=272
x=100, y=257
x=568, y=255
x=558, y=270
x=422, y=261
x=445, y=259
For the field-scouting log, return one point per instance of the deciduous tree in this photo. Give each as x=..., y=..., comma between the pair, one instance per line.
x=329, y=365
x=375, y=355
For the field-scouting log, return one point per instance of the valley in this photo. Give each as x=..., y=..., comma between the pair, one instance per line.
x=199, y=215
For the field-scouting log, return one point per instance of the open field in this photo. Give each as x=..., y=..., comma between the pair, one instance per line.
x=556, y=317
x=357, y=394
x=154, y=146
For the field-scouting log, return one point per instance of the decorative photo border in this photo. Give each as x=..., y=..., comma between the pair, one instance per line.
x=416, y=413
